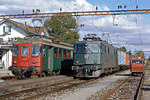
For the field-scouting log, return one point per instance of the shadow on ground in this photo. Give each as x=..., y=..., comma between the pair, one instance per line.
x=123, y=74
x=146, y=89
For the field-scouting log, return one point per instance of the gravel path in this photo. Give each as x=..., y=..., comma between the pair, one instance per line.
x=84, y=92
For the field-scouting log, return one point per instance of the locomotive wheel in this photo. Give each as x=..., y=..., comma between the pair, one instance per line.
x=42, y=74
x=27, y=74
x=49, y=73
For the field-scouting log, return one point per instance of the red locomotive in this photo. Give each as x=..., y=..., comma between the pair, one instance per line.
x=137, y=66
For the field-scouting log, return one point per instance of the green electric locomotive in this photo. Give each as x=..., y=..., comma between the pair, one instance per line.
x=94, y=57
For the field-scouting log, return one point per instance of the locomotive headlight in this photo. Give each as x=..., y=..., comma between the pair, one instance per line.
x=86, y=56
x=77, y=62
x=15, y=62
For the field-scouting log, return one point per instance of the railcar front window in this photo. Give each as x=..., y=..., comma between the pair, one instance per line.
x=25, y=51
x=80, y=48
x=137, y=61
x=15, y=51
x=92, y=48
x=35, y=50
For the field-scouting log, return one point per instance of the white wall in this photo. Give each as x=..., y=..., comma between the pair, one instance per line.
x=15, y=32
x=7, y=58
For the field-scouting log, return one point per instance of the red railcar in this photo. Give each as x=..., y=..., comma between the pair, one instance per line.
x=40, y=56
x=137, y=66
x=23, y=61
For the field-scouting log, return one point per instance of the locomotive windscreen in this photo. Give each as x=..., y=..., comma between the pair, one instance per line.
x=80, y=48
x=92, y=48
x=24, y=51
x=137, y=61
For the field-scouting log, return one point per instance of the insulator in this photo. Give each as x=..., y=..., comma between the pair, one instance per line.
x=96, y=8
x=125, y=6
x=120, y=6
x=33, y=11
x=23, y=12
x=137, y=6
x=60, y=9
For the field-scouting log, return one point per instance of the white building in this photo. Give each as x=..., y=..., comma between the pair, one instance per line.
x=9, y=31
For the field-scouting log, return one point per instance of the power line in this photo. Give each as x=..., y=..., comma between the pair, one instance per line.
x=81, y=13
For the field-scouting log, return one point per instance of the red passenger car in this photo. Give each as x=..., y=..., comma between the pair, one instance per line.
x=40, y=56
x=25, y=56
x=137, y=66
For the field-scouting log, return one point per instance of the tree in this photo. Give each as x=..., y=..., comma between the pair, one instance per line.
x=129, y=52
x=123, y=49
x=140, y=54
x=148, y=61
x=62, y=28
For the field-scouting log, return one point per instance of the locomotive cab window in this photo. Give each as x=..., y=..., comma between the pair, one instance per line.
x=24, y=51
x=92, y=48
x=79, y=48
x=36, y=50
x=137, y=62
x=15, y=51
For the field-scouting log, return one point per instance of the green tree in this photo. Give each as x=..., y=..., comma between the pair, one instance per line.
x=123, y=49
x=140, y=54
x=148, y=60
x=129, y=52
x=62, y=28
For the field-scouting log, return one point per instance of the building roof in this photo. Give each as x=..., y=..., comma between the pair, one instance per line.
x=26, y=28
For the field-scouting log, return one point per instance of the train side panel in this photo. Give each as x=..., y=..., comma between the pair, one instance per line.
x=121, y=59
x=109, y=59
x=127, y=60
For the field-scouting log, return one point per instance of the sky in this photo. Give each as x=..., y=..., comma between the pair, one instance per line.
x=129, y=29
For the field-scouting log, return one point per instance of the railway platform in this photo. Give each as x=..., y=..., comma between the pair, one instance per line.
x=146, y=85
x=5, y=73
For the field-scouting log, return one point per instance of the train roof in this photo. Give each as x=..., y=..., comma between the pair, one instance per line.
x=96, y=41
x=46, y=41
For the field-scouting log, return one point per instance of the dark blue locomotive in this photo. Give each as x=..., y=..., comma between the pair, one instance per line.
x=93, y=57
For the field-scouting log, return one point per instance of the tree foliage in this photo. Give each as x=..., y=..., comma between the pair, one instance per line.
x=63, y=28
x=129, y=52
x=140, y=54
x=123, y=49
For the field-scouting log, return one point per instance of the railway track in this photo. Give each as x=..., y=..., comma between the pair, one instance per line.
x=128, y=89
x=32, y=93
x=42, y=91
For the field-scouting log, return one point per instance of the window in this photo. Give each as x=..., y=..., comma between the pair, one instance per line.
x=55, y=52
x=68, y=54
x=64, y=54
x=60, y=53
x=92, y=48
x=79, y=48
x=24, y=51
x=137, y=61
x=15, y=51
x=7, y=29
x=36, y=51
